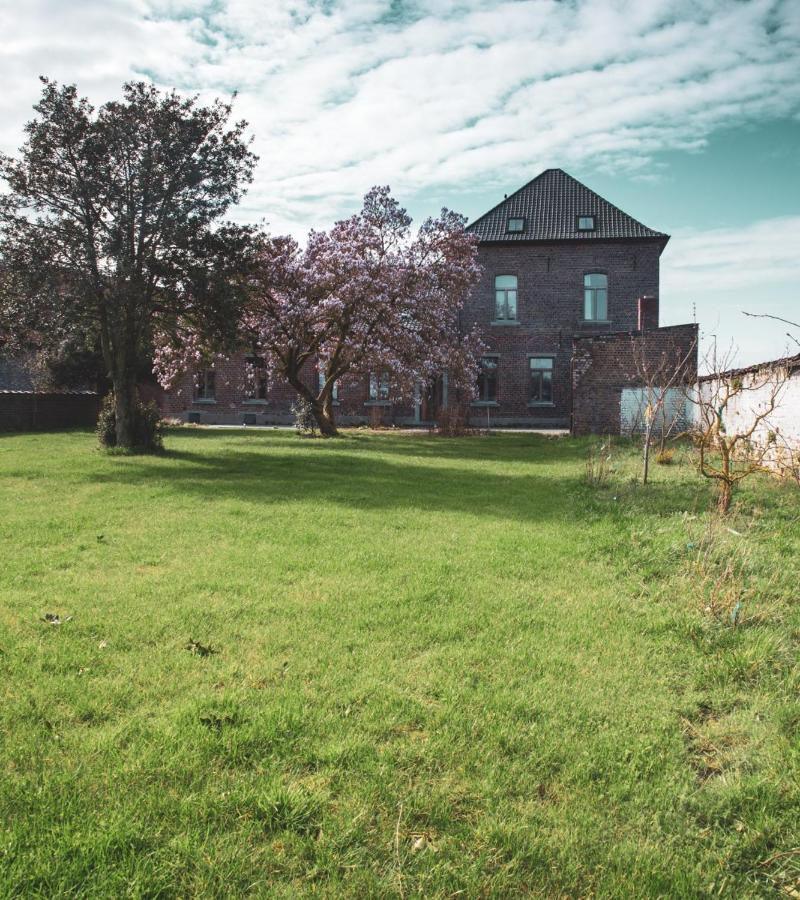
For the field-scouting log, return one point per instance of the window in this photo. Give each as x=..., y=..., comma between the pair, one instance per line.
x=541, y=368
x=378, y=387
x=505, y=298
x=256, y=378
x=487, y=380
x=595, y=297
x=321, y=384
x=585, y=223
x=206, y=385
x=516, y=225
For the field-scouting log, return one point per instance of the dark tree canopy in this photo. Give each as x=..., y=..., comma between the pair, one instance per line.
x=111, y=227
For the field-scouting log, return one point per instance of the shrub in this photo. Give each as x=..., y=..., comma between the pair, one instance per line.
x=453, y=421
x=148, y=429
x=304, y=420
x=598, y=463
x=664, y=457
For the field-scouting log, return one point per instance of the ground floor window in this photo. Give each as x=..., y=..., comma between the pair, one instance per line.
x=378, y=386
x=321, y=384
x=541, y=379
x=256, y=378
x=487, y=379
x=206, y=388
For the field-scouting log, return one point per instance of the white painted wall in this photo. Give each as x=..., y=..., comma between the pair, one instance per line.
x=781, y=429
x=675, y=416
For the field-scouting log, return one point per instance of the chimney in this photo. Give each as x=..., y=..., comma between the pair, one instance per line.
x=648, y=313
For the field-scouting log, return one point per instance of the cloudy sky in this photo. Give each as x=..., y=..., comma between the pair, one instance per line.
x=686, y=113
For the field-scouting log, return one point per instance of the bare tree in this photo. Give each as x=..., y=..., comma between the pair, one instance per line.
x=732, y=432
x=777, y=319
x=663, y=378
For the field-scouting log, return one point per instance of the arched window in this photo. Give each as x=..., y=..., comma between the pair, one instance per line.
x=595, y=297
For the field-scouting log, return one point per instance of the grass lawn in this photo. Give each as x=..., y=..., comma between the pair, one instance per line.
x=441, y=667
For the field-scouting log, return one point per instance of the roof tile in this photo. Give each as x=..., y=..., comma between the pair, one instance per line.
x=550, y=206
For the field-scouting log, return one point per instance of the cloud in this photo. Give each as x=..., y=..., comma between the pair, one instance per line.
x=430, y=97
x=722, y=273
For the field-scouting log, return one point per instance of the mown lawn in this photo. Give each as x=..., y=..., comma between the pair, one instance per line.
x=441, y=667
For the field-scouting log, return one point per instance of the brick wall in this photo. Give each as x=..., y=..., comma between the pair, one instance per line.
x=231, y=404
x=25, y=411
x=550, y=313
x=606, y=365
x=549, y=316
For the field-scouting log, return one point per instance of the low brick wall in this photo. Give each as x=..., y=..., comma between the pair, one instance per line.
x=28, y=411
x=605, y=366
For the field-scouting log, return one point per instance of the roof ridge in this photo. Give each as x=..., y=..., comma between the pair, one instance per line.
x=549, y=203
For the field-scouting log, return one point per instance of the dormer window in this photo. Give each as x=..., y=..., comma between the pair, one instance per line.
x=586, y=223
x=516, y=225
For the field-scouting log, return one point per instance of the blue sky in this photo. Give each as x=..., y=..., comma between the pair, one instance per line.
x=685, y=113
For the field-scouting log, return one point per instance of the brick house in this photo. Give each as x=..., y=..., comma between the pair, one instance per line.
x=565, y=273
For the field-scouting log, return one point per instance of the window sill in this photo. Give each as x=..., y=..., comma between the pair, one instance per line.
x=484, y=403
x=541, y=403
x=589, y=322
x=204, y=402
x=505, y=323
x=377, y=403
x=255, y=402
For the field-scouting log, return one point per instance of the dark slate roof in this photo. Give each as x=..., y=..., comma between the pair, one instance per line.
x=550, y=206
x=15, y=375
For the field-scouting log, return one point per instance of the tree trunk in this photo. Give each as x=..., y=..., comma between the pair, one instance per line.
x=324, y=417
x=646, y=454
x=125, y=395
x=724, y=499
x=323, y=413
x=726, y=482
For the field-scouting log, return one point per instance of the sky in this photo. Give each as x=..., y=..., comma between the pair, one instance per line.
x=684, y=113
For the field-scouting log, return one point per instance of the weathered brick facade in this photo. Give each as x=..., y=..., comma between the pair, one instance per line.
x=550, y=313
x=603, y=366
x=231, y=404
x=543, y=242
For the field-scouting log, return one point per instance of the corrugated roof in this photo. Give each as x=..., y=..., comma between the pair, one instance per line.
x=550, y=206
x=17, y=377
x=791, y=363
x=55, y=392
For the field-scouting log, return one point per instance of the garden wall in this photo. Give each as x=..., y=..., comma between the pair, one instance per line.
x=780, y=431
x=30, y=411
x=606, y=377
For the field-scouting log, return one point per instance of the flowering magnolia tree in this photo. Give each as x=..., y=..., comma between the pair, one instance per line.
x=366, y=296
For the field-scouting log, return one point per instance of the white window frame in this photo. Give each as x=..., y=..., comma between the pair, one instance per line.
x=538, y=370
x=593, y=296
x=379, y=387
x=502, y=299
x=321, y=379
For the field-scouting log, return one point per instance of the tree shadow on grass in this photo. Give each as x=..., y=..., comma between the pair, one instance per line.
x=369, y=474
x=523, y=447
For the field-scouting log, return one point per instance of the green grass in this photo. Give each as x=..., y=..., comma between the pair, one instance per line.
x=440, y=666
